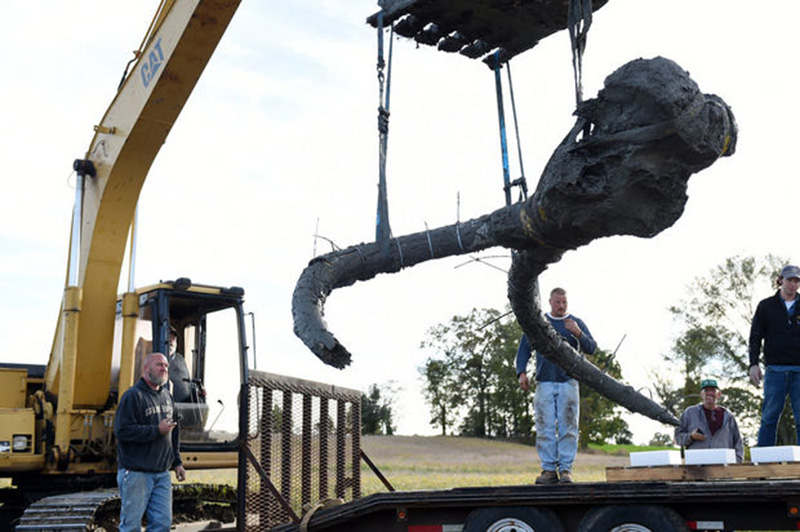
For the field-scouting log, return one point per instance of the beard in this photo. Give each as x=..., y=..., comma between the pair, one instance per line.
x=156, y=379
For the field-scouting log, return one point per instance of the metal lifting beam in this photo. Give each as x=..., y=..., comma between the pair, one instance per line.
x=477, y=28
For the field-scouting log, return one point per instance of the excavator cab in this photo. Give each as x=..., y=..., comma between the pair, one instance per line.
x=207, y=355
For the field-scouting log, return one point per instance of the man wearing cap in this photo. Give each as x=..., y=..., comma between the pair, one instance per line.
x=708, y=425
x=178, y=372
x=556, y=402
x=776, y=323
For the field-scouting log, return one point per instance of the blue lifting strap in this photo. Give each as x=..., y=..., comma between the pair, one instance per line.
x=507, y=183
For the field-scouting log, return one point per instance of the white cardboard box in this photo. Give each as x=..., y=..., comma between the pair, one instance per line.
x=709, y=456
x=655, y=458
x=780, y=453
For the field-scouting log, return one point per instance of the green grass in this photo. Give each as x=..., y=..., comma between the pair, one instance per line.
x=210, y=476
x=443, y=462
x=627, y=449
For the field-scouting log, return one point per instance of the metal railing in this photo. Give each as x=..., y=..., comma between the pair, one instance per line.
x=302, y=446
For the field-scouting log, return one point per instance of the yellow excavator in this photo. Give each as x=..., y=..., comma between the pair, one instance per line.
x=56, y=420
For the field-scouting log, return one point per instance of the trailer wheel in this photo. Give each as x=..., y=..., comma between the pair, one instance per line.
x=632, y=519
x=512, y=519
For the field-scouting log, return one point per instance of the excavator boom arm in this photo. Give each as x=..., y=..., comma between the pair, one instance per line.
x=124, y=146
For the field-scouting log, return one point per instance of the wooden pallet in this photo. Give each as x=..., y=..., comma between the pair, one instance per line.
x=679, y=473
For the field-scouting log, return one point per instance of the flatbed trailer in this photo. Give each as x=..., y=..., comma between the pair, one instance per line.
x=301, y=470
x=583, y=507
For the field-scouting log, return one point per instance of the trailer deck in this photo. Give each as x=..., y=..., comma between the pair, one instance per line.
x=752, y=505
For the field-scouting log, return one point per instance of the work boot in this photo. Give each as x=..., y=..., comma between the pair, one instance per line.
x=547, y=477
x=565, y=477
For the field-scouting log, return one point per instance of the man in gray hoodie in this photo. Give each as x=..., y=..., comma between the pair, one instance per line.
x=147, y=448
x=708, y=425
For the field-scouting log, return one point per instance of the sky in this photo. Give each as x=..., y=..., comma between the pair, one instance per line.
x=278, y=143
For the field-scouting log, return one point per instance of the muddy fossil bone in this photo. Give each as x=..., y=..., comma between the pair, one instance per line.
x=650, y=128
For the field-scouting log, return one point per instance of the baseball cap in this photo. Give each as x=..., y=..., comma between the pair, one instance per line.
x=709, y=383
x=789, y=271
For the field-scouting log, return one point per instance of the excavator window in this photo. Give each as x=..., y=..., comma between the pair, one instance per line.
x=204, y=367
x=201, y=336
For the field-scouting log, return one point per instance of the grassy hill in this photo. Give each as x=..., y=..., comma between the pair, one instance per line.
x=434, y=462
x=441, y=462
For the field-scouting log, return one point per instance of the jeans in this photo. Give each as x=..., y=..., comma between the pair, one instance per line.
x=777, y=385
x=557, y=406
x=140, y=491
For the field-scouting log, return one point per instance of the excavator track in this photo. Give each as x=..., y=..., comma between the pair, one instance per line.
x=99, y=510
x=71, y=511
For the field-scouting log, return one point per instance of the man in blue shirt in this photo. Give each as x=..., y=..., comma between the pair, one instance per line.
x=557, y=399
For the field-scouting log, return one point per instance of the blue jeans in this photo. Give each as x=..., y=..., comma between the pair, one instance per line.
x=777, y=385
x=557, y=406
x=140, y=491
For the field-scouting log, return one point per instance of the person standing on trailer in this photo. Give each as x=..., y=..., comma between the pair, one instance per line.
x=776, y=324
x=708, y=425
x=556, y=399
x=147, y=448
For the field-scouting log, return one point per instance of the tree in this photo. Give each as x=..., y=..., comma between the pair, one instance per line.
x=440, y=392
x=600, y=419
x=695, y=350
x=474, y=381
x=514, y=417
x=713, y=343
x=660, y=439
x=476, y=364
x=376, y=410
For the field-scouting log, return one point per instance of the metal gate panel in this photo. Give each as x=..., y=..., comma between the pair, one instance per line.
x=302, y=447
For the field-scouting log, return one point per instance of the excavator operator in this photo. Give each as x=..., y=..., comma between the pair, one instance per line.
x=180, y=381
x=188, y=393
